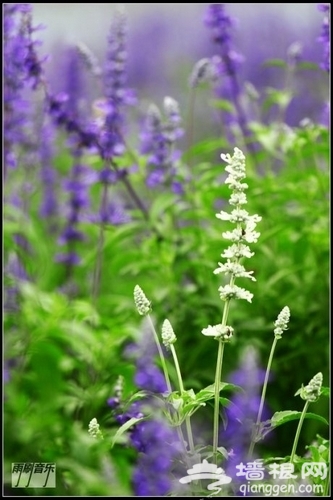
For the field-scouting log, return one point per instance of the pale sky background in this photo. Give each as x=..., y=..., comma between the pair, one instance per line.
x=171, y=37
x=90, y=22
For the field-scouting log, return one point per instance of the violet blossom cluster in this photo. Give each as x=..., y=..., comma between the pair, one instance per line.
x=226, y=64
x=221, y=25
x=157, y=444
x=22, y=68
x=116, y=94
x=158, y=141
x=110, y=122
x=49, y=203
x=243, y=409
x=77, y=184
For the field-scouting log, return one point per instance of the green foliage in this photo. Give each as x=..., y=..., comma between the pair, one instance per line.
x=64, y=350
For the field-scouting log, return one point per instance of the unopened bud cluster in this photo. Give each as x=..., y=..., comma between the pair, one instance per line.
x=168, y=335
x=142, y=304
x=281, y=324
x=311, y=392
x=94, y=429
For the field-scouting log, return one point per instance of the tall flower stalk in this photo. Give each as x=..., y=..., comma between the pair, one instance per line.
x=324, y=38
x=221, y=24
x=281, y=324
x=143, y=307
x=243, y=233
x=110, y=140
x=158, y=140
x=169, y=338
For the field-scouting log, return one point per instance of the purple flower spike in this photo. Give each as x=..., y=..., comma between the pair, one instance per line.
x=158, y=139
x=116, y=94
x=242, y=413
x=324, y=38
x=21, y=66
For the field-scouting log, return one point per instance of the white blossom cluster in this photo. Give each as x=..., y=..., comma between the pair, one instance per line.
x=219, y=332
x=243, y=233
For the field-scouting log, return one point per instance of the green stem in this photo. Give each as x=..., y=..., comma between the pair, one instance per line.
x=216, y=399
x=99, y=253
x=166, y=375
x=181, y=388
x=263, y=395
x=300, y=423
x=327, y=485
x=218, y=375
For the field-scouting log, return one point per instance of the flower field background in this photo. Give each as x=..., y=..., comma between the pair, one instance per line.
x=112, y=179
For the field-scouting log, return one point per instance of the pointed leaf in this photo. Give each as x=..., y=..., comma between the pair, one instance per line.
x=325, y=391
x=124, y=428
x=209, y=391
x=281, y=417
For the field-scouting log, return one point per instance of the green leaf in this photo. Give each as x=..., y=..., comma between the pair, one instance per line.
x=325, y=391
x=160, y=206
x=132, y=421
x=136, y=396
x=281, y=417
x=226, y=402
x=209, y=391
x=278, y=63
x=222, y=104
x=307, y=65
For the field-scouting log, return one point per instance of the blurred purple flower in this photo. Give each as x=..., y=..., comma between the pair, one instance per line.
x=221, y=25
x=157, y=443
x=112, y=213
x=49, y=203
x=158, y=140
x=78, y=200
x=21, y=66
x=116, y=94
x=242, y=413
x=148, y=377
x=324, y=38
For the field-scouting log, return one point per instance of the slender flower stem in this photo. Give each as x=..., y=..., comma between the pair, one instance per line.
x=138, y=202
x=218, y=375
x=327, y=485
x=263, y=394
x=99, y=256
x=181, y=388
x=216, y=399
x=190, y=126
x=300, y=423
x=165, y=370
x=167, y=379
